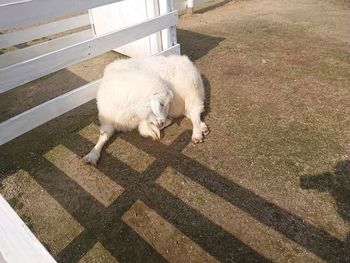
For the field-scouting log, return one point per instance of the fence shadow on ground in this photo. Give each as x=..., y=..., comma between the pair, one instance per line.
x=103, y=224
x=120, y=239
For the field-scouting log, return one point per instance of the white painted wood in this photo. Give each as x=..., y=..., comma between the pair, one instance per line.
x=12, y=2
x=122, y=14
x=17, y=242
x=172, y=36
x=174, y=50
x=26, y=71
x=171, y=32
x=156, y=8
x=51, y=109
x=31, y=52
x=181, y=5
x=126, y=13
x=35, y=11
x=46, y=111
x=119, y=15
x=170, y=5
x=25, y=35
x=190, y=3
x=166, y=7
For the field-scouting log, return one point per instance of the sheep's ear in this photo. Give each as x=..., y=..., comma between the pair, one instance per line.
x=155, y=105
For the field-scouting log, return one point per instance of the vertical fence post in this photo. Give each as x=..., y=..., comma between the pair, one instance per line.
x=172, y=30
x=190, y=7
x=156, y=6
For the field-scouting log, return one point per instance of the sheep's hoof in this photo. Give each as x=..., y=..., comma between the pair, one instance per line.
x=197, y=140
x=205, y=131
x=90, y=158
x=156, y=133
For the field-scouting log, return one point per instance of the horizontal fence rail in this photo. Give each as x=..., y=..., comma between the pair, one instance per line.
x=46, y=111
x=46, y=47
x=25, y=71
x=25, y=35
x=35, y=11
x=51, y=109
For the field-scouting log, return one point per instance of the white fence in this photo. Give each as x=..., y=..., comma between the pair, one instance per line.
x=25, y=20
x=24, y=65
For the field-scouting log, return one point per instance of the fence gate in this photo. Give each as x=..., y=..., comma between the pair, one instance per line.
x=99, y=26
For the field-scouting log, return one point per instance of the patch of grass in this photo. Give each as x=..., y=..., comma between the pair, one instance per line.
x=312, y=78
x=292, y=52
x=273, y=148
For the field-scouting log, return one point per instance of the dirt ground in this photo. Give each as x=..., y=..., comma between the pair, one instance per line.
x=270, y=183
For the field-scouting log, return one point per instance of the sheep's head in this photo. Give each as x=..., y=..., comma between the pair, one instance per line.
x=160, y=103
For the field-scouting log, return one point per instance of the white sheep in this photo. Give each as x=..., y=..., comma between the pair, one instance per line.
x=143, y=92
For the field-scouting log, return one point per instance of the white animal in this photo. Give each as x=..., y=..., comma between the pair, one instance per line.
x=143, y=92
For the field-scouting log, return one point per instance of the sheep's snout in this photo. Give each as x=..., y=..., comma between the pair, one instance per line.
x=160, y=122
x=160, y=108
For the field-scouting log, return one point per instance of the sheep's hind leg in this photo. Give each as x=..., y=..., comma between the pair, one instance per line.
x=200, y=129
x=106, y=131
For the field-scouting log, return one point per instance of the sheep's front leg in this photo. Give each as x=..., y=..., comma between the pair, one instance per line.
x=200, y=129
x=94, y=155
